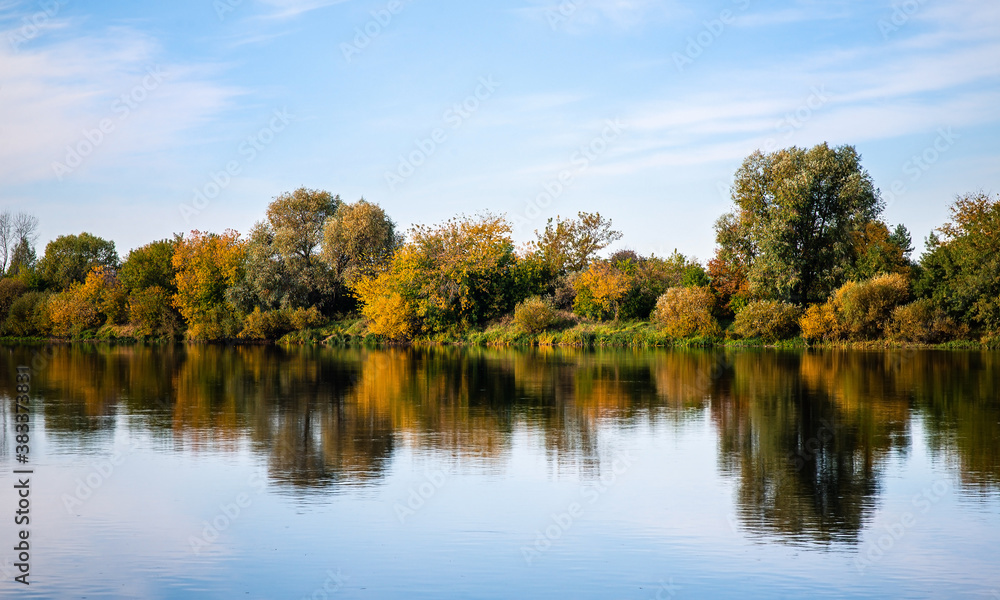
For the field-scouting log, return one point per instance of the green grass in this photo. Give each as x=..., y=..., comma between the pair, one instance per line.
x=353, y=332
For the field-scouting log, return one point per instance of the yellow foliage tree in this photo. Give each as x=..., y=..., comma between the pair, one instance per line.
x=600, y=291
x=207, y=264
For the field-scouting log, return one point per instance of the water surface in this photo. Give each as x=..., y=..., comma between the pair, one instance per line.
x=261, y=472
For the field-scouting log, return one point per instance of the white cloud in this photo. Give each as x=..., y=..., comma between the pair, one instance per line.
x=56, y=94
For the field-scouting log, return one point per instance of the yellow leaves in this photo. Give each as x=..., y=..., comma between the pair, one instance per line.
x=856, y=310
x=99, y=299
x=206, y=265
x=820, y=322
x=686, y=312
x=389, y=314
x=600, y=290
x=454, y=274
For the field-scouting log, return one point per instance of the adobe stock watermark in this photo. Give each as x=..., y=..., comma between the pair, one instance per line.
x=562, y=14
x=32, y=26
x=893, y=531
x=453, y=118
x=419, y=495
x=331, y=585
x=711, y=31
x=796, y=119
x=580, y=162
x=123, y=106
x=100, y=473
x=562, y=522
x=365, y=35
x=901, y=15
x=249, y=149
x=666, y=590
x=224, y=7
x=922, y=162
x=228, y=514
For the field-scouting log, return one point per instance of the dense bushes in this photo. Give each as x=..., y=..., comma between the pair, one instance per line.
x=10, y=290
x=627, y=285
x=866, y=307
x=686, y=312
x=819, y=322
x=769, y=320
x=857, y=310
x=29, y=316
x=922, y=322
x=535, y=315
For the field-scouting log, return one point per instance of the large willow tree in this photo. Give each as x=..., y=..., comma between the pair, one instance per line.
x=798, y=216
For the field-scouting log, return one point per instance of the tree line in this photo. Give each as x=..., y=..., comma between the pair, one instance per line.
x=804, y=252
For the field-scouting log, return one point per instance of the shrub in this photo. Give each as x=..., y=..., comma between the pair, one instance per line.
x=29, y=315
x=72, y=313
x=922, y=322
x=685, y=312
x=10, y=290
x=865, y=308
x=265, y=325
x=305, y=318
x=535, y=315
x=150, y=313
x=769, y=320
x=820, y=322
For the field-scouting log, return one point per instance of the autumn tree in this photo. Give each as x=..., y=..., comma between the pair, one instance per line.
x=358, y=241
x=797, y=215
x=627, y=285
x=878, y=251
x=207, y=265
x=456, y=274
x=568, y=245
x=69, y=258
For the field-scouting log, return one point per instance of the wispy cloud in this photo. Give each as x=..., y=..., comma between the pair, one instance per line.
x=56, y=93
x=289, y=9
x=583, y=16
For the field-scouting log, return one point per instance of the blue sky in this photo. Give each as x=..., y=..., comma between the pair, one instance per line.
x=114, y=114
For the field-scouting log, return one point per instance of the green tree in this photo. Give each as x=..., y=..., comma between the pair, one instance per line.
x=960, y=270
x=878, y=251
x=294, y=231
x=359, y=241
x=69, y=258
x=797, y=213
x=568, y=245
x=298, y=220
x=150, y=265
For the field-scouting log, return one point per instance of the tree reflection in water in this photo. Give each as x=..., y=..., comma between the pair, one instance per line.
x=804, y=435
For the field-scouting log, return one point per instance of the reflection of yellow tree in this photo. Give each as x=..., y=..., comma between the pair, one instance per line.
x=802, y=433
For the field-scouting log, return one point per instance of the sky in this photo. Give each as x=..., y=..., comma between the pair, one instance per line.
x=134, y=121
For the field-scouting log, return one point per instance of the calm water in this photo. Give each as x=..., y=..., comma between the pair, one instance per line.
x=318, y=473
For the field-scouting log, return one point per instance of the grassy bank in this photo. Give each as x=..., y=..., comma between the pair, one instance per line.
x=353, y=332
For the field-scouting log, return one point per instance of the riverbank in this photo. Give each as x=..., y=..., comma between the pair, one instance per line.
x=354, y=332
